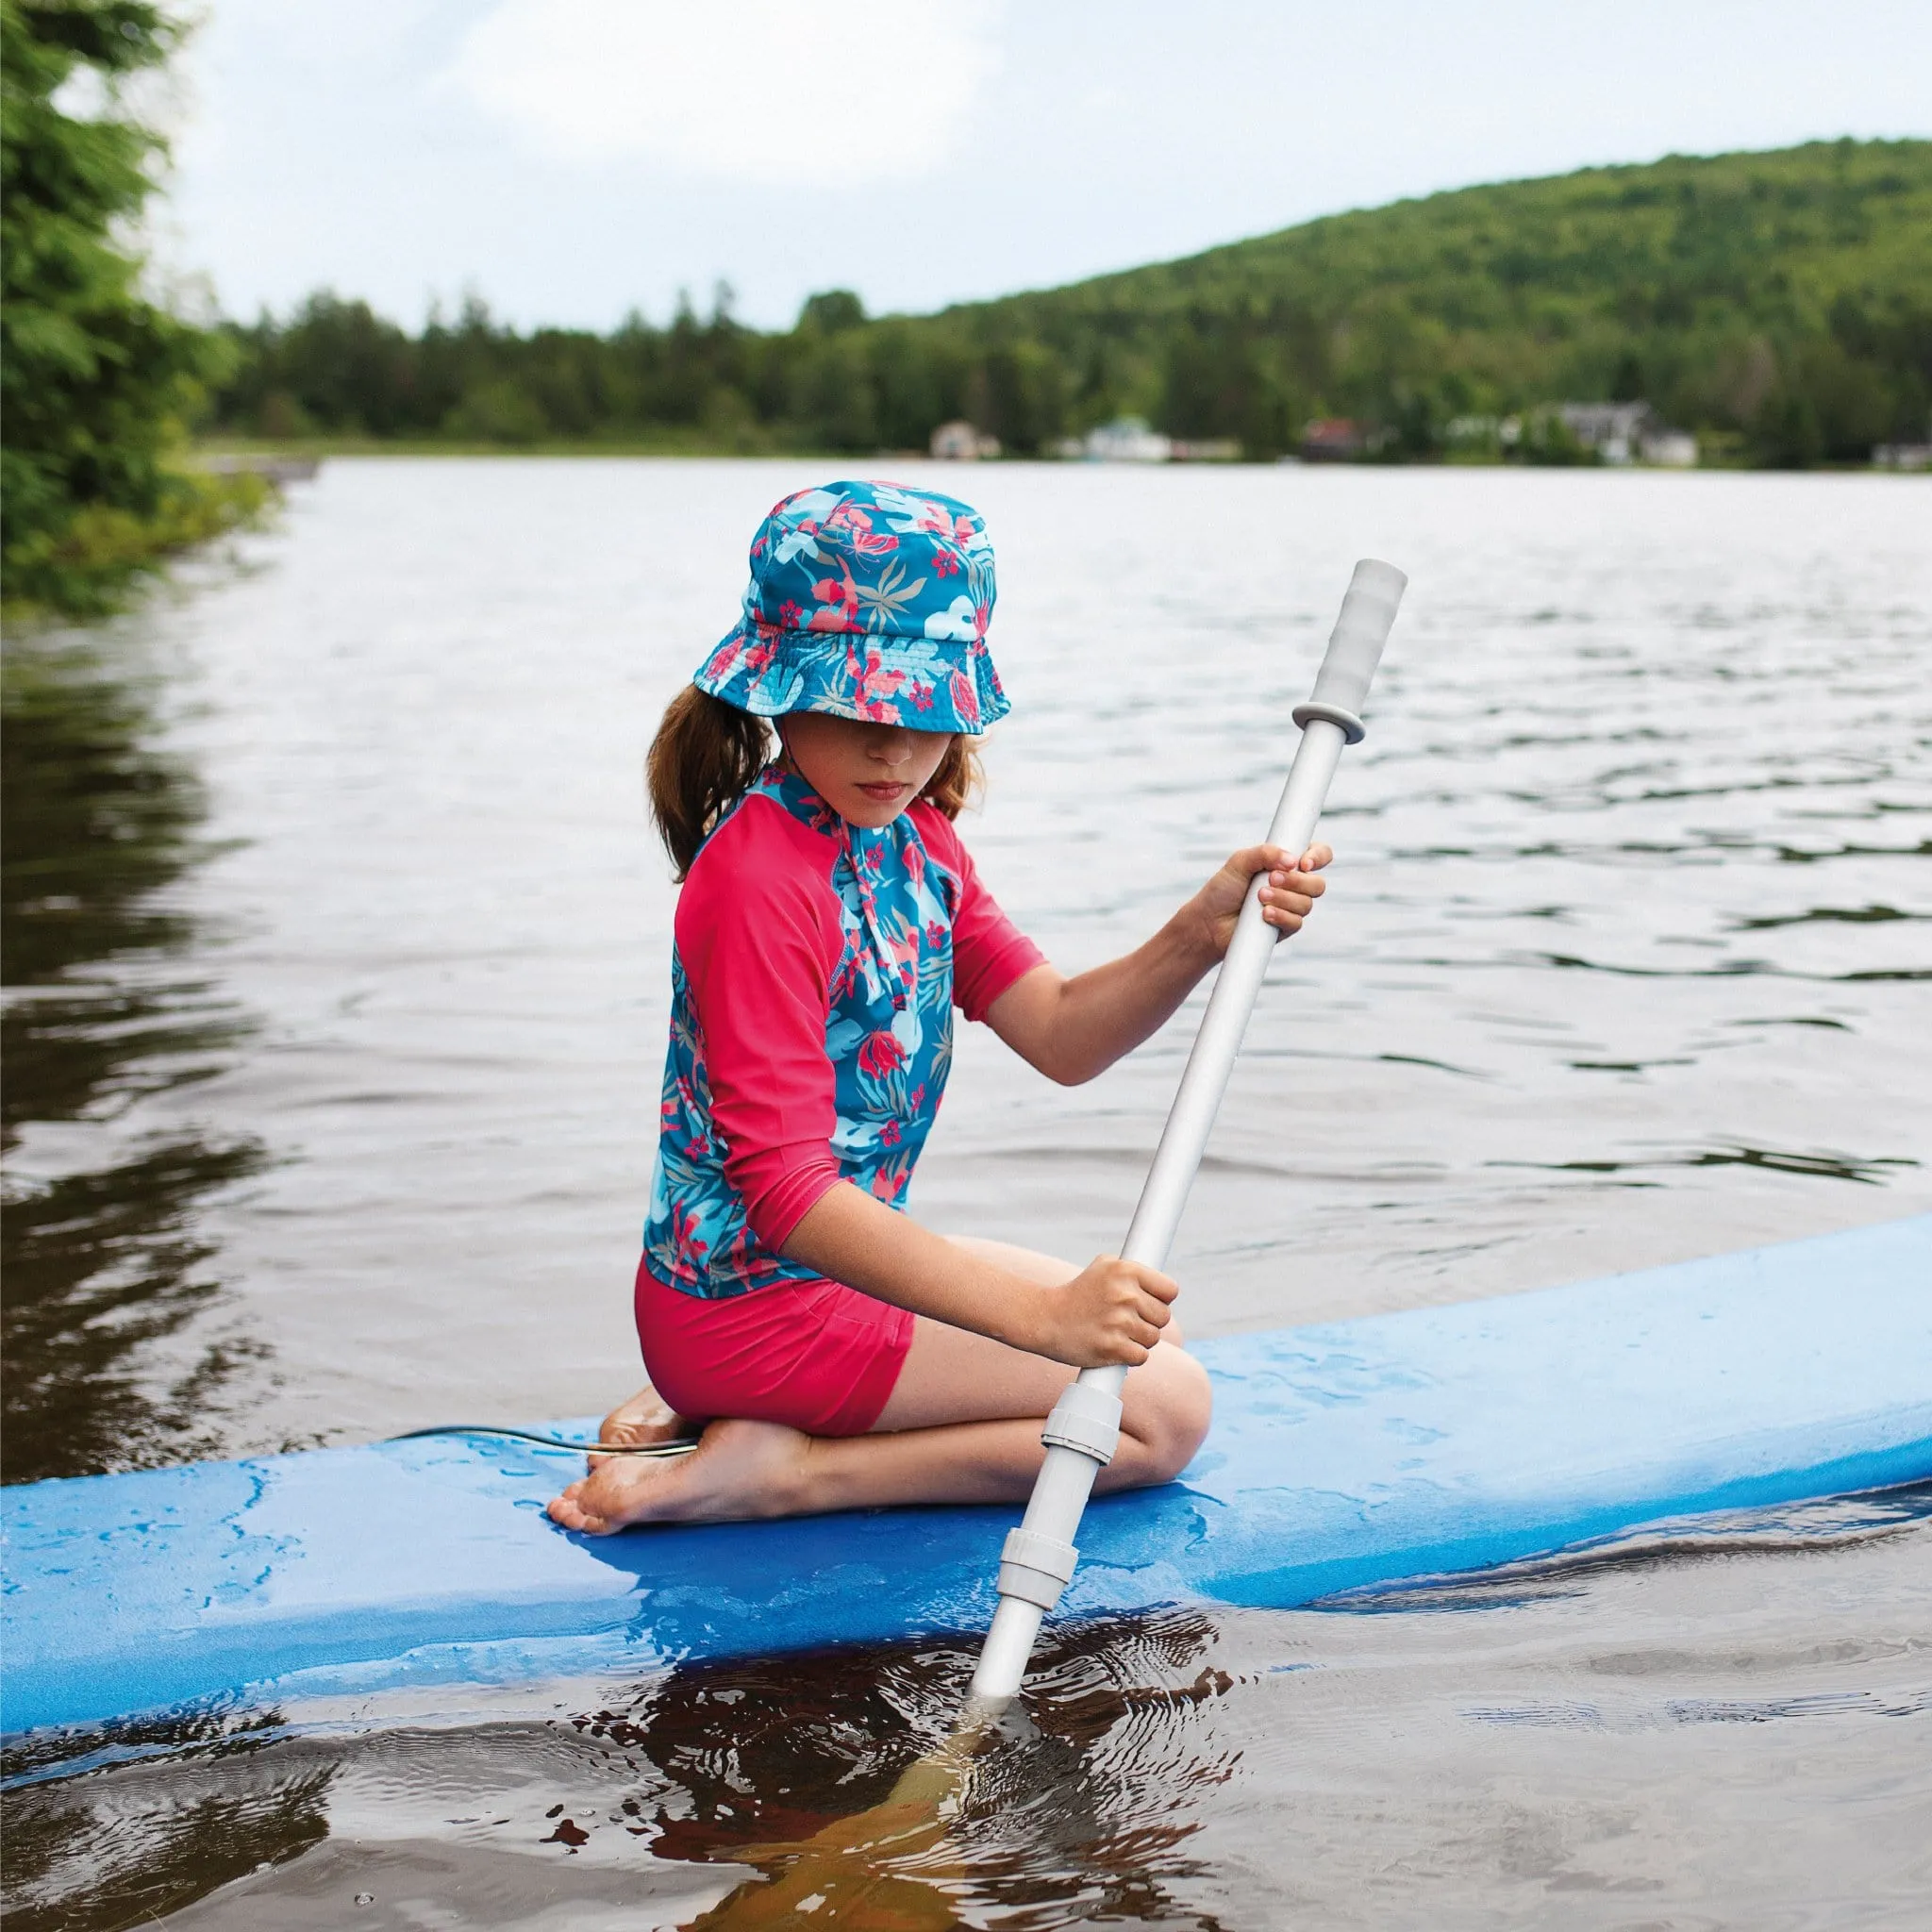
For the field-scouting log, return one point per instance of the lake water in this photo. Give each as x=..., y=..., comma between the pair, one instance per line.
x=336, y=957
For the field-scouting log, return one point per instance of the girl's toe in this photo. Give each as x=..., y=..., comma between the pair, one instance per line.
x=566, y=1508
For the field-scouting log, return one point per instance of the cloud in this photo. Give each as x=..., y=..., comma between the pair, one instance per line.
x=762, y=91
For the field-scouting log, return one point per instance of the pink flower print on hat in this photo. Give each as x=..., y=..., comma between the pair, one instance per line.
x=911, y=573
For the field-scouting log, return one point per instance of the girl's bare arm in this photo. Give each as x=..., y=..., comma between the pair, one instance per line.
x=1114, y=1312
x=1071, y=1029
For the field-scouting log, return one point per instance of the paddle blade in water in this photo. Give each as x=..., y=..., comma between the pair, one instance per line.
x=871, y=1870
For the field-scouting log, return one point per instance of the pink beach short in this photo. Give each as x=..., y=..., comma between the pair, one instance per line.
x=816, y=1355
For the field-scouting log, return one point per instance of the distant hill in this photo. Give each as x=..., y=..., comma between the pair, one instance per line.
x=1779, y=304
x=1787, y=295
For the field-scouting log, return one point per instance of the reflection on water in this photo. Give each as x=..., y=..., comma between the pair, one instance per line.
x=1669, y=1729
x=1805, y=1528
x=1770, y=1160
x=104, y=1005
x=75, y=1864
x=1082, y=1810
x=1047, y=1826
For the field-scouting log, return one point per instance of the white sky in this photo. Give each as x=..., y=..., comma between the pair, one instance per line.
x=571, y=158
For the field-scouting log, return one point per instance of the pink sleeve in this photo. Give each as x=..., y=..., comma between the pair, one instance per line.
x=989, y=951
x=758, y=934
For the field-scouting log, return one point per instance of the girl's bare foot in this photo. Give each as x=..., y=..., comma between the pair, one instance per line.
x=646, y=1418
x=741, y=1470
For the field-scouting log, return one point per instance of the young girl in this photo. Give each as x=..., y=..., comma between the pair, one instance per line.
x=840, y=1354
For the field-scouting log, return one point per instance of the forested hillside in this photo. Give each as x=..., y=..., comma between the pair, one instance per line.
x=1779, y=304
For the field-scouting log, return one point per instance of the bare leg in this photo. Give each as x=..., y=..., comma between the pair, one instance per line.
x=961, y=1426
x=645, y=1418
x=951, y=1376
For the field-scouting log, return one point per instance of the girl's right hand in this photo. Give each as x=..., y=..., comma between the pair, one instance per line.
x=1113, y=1311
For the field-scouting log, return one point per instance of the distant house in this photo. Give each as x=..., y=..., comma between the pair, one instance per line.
x=1333, y=440
x=961, y=443
x=1669, y=449
x=1126, y=440
x=1611, y=430
x=1213, y=449
x=1903, y=456
x=1628, y=433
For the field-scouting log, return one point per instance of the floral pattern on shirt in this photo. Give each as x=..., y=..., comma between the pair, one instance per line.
x=889, y=1037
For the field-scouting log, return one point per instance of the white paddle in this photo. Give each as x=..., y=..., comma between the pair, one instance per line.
x=1038, y=1561
x=841, y=1868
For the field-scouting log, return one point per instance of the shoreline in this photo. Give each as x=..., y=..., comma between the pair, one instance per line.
x=294, y=459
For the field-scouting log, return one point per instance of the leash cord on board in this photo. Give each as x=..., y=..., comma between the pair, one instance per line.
x=675, y=1445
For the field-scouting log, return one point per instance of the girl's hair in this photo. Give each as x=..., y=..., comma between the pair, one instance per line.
x=708, y=755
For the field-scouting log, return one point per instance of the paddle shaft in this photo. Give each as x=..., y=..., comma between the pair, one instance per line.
x=1039, y=1553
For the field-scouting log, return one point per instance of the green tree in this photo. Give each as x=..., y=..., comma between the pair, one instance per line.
x=832, y=394
x=831, y=312
x=95, y=379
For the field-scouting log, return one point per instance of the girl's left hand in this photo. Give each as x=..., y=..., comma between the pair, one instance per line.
x=1287, y=895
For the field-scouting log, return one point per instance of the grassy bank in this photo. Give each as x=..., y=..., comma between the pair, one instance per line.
x=92, y=565
x=669, y=443
x=1720, y=455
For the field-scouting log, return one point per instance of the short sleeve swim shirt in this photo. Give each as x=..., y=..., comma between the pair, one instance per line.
x=813, y=980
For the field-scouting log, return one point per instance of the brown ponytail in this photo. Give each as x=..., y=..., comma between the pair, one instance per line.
x=704, y=760
x=708, y=753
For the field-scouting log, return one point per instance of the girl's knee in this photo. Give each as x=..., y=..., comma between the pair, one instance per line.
x=1170, y=1419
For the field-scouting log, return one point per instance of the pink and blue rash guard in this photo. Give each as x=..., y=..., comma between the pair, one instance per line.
x=816, y=967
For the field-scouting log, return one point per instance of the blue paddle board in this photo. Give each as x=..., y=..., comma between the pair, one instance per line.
x=1354, y=1454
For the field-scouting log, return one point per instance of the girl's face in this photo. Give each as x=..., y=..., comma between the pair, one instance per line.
x=868, y=774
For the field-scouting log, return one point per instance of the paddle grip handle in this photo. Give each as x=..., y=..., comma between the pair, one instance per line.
x=1355, y=645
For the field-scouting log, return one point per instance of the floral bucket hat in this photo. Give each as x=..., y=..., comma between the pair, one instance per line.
x=868, y=601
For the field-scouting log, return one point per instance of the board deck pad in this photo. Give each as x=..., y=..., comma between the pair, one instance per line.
x=1354, y=1454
